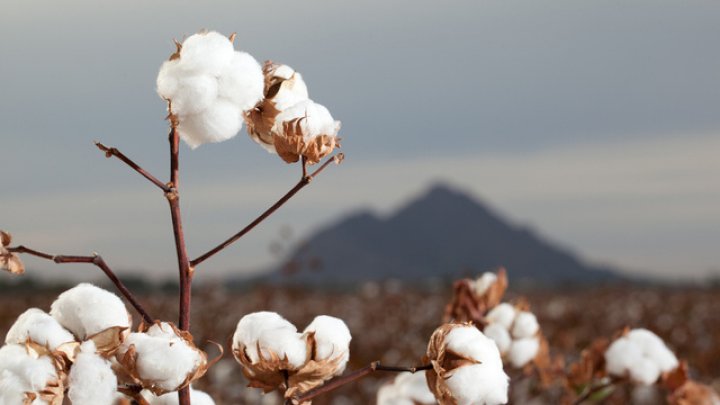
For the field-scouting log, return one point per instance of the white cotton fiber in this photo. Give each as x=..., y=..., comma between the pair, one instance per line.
x=641, y=355
x=274, y=334
x=293, y=89
x=210, y=85
x=219, y=122
x=317, y=120
x=478, y=384
x=499, y=335
x=332, y=340
x=525, y=325
x=163, y=358
x=21, y=372
x=523, y=351
x=92, y=380
x=41, y=328
x=86, y=310
x=171, y=398
x=241, y=82
x=503, y=314
x=206, y=52
x=470, y=342
x=481, y=285
x=406, y=389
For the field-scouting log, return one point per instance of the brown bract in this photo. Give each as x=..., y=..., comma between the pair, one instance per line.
x=294, y=143
x=314, y=372
x=9, y=261
x=444, y=362
x=590, y=366
x=684, y=391
x=53, y=392
x=466, y=305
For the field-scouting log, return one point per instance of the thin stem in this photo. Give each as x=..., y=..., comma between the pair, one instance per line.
x=99, y=262
x=356, y=375
x=110, y=152
x=304, y=181
x=592, y=390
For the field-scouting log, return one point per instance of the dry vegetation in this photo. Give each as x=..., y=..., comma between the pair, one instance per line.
x=392, y=323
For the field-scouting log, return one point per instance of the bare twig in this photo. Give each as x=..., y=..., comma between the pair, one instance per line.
x=304, y=181
x=110, y=152
x=96, y=260
x=356, y=375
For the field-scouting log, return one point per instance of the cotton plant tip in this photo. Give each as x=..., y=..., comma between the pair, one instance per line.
x=640, y=355
x=171, y=398
x=406, y=389
x=86, y=310
x=500, y=336
x=28, y=378
x=523, y=351
x=163, y=358
x=305, y=130
x=503, y=314
x=39, y=327
x=467, y=368
x=525, y=325
x=91, y=380
x=209, y=86
x=483, y=283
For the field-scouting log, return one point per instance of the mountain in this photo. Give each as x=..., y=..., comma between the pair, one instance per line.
x=443, y=234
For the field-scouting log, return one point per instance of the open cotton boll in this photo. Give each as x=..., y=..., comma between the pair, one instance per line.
x=86, y=310
x=163, y=359
x=219, y=122
x=241, y=81
x=469, y=341
x=332, y=337
x=525, y=325
x=645, y=371
x=92, y=380
x=523, y=351
x=207, y=52
x=22, y=373
x=41, y=328
x=171, y=398
x=503, y=314
x=484, y=282
x=194, y=94
x=621, y=355
x=316, y=120
x=273, y=334
x=499, y=335
x=168, y=78
x=478, y=384
x=654, y=348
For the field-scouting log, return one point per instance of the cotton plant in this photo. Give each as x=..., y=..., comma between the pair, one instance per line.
x=466, y=367
x=639, y=355
x=274, y=355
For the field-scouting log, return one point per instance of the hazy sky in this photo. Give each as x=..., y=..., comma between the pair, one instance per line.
x=595, y=122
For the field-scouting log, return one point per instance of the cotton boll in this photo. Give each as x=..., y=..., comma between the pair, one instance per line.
x=164, y=359
x=484, y=282
x=171, y=398
x=219, y=122
x=525, y=325
x=207, y=52
x=478, y=384
x=167, y=79
x=293, y=91
x=92, y=380
x=654, y=348
x=469, y=341
x=194, y=94
x=86, y=310
x=274, y=335
x=523, y=351
x=41, y=328
x=316, y=119
x=503, y=314
x=499, y=335
x=641, y=355
x=241, y=82
x=621, y=355
x=332, y=337
x=645, y=371
x=22, y=373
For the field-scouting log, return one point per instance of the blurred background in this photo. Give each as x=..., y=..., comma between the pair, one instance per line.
x=575, y=143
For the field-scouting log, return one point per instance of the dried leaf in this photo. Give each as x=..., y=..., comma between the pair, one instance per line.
x=11, y=262
x=108, y=341
x=5, y=238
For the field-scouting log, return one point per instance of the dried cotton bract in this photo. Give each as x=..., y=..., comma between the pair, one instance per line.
x=209, y=86
x=467, y=368
x=640, y=355
x=267, y=346
x=9, y=261
x=406, y=389
x=163, y=358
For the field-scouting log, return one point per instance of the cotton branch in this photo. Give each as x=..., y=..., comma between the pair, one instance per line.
x=356, y=375
x=96, y=260
x=110, y=152
x=304, y=181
